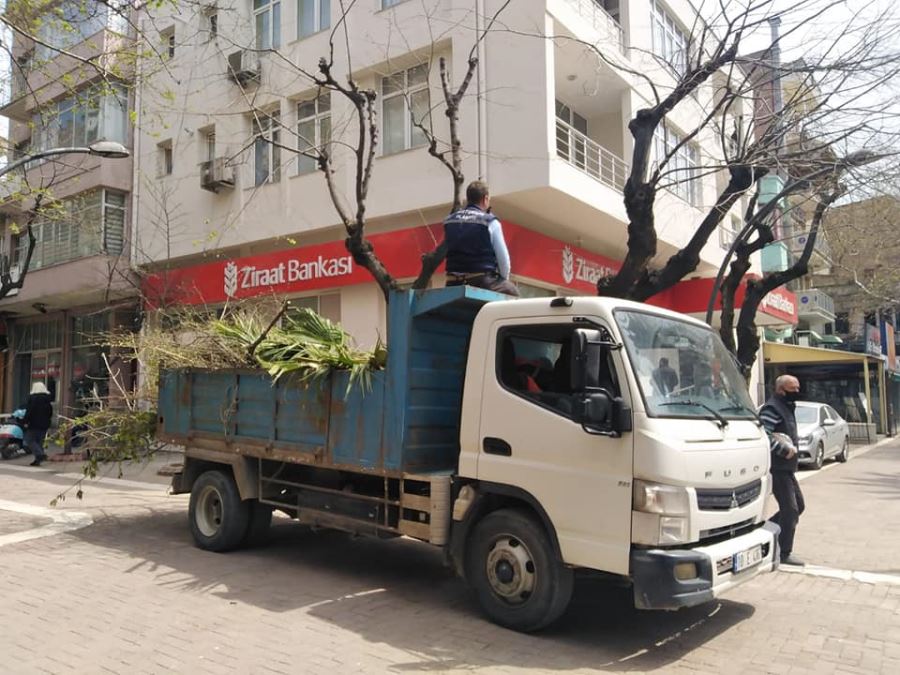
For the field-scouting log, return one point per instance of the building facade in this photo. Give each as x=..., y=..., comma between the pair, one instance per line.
x=226, y=205
x=71, y=88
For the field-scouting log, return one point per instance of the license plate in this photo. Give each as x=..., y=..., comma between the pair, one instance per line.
x=748, y=558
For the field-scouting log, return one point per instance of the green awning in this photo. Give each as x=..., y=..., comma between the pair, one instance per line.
x=831, y=340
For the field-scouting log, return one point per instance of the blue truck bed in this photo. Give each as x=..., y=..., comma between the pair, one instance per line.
x=407, y=423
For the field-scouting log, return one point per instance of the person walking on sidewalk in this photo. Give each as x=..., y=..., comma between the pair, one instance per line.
x=777, y=416
x=476, y=250
x=38, y=415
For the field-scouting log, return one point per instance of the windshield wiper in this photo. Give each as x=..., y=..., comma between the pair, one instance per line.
x=721, y=422
x=739, y=407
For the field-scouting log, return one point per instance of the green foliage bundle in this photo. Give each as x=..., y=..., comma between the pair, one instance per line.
x=305, y=344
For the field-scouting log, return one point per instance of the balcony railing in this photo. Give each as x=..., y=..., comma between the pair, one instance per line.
x=820, y=246
x=814, y=302
x=589, y=156
x=601, y=20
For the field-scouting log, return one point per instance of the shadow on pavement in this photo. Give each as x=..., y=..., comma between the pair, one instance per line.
x=398, y=593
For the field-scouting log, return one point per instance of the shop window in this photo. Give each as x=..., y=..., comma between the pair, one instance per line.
x=535, y=362
x=529, y=291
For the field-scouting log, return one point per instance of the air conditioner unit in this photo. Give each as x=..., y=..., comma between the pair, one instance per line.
x=216, y=174
x=13, y=276
x=243, y=66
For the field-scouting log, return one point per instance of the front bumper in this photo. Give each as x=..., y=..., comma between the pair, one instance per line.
x=653, y=570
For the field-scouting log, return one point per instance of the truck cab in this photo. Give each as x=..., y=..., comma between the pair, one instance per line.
x=630, y=433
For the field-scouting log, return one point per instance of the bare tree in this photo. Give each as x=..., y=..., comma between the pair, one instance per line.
x=810, y=118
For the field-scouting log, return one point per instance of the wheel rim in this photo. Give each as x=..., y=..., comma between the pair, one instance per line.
x=845, y=451
x=209, y=511
x=510, y=570
x=820, y=455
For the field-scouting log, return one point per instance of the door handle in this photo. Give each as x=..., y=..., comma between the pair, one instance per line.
x=496, y=446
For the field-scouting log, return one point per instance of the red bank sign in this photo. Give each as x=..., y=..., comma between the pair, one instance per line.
x=535, y=256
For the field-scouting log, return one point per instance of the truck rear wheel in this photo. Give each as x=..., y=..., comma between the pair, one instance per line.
x=218, y=517
x=512, y=567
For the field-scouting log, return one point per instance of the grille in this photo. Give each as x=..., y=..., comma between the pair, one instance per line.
x=726, y=499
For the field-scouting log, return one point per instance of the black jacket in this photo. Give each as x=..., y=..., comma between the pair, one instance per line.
x=778, y=415
x=38, y=412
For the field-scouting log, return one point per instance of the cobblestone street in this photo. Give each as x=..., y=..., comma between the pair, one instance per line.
x=113, y=584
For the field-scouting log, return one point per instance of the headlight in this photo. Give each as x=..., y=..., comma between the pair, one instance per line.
x=806, y=439
x=656, y=498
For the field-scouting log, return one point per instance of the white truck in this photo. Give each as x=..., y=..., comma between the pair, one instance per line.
x=526, y=438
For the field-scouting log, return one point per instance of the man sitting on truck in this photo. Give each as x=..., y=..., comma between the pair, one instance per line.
x=476, y=251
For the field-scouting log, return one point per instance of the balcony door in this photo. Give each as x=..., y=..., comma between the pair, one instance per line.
x=571, y=136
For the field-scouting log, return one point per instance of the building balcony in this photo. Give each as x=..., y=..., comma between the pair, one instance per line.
x=815, y=306
x=821, y=256
x=590, y=157
x=594, y=14
x=775, y=258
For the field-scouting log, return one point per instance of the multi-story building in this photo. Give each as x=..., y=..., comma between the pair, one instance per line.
x=227, y=208
x=69, y=88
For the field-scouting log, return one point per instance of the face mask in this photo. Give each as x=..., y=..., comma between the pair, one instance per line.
x=791, y=396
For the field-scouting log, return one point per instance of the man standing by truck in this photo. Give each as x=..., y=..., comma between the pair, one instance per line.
x=476, y=251
x=777, y=415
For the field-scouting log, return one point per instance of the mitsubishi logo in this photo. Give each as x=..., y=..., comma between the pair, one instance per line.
x=734, y=501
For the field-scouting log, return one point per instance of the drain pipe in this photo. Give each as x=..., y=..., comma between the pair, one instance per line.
x=480, y=81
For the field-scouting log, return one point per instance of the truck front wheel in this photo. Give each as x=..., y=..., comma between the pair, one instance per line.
x=512, y=567
x=218, y=517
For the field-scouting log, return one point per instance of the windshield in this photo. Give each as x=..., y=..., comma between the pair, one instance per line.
x=683, y=369
x=806, y=415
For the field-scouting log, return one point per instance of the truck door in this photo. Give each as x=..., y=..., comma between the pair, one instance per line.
x=530, y=441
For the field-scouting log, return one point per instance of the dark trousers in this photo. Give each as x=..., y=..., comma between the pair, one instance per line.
x=790, y=505
x=34, y=441
x=490, y=281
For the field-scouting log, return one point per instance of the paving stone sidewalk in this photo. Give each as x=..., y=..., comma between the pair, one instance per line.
x=131, y=594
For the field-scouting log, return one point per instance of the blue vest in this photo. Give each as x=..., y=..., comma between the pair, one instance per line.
x=469, y=247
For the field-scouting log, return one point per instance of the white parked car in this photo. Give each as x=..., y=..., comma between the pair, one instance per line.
x=823, y=434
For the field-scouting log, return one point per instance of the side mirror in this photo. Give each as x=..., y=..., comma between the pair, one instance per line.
x=828, y=422
x=600, y=414
x=588, y=349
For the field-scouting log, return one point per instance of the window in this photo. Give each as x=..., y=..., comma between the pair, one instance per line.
x=405, y=101
x=210, y=23
x=729, y=229
x=389, y=3
x=313, y=16
x=209, y=146
x=669, y=41
x=266, y=150
x=313, y=129
x=681, y=172
x=88, y=224
x=97, y=113
x=535, y=362
x=74, y=21
x=167, y=37
x=267, y=15
x=164, y=167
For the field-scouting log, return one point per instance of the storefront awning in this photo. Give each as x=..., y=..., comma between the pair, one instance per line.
x=775, y=353
x=830, y=340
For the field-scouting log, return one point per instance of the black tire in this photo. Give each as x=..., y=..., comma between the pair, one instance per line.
x=511, y=565
x=820, y=456
x=845, y=451
x=7, y=451
x=218, y=518
x=259, y=525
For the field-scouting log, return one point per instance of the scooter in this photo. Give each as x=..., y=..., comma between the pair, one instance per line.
x=12, y=435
